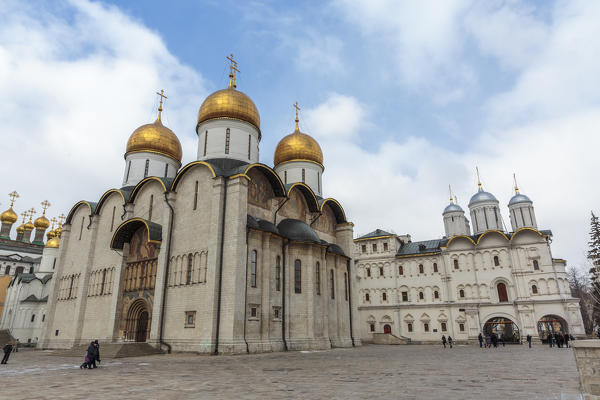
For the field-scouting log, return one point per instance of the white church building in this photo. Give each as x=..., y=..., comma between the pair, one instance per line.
x=485, y=280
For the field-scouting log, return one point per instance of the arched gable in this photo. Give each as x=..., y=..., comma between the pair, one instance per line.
x=519, y=231
x=126, y=230
x=276, y=184
x=492, y=231
x=105, y=197
x=460, y=237
x=336, y=207
x=189, y=167
x=307, y=193
x=90, y=205
x=142, y=183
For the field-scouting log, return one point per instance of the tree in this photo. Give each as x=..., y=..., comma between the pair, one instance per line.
x=594, y=273
x=580, y=288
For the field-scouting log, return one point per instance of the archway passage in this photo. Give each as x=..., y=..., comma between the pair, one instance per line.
x=387, y=328
x=137, y=324
x=504, y=328
x=551, y=324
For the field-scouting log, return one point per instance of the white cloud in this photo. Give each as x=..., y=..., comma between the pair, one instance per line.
x=339, y=116
x=74, y=88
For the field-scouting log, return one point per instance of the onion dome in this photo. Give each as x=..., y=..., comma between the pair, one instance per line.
x=51, y=234
x=481, y=196
x=155, y=138
x=229, y=104
x=9, y=216
x=29, y=226
x=452, y=208
x=41, y=223
x=58, y=231
x=298, y=146
x=519, y=198
x=21, y=228
x=53, y=243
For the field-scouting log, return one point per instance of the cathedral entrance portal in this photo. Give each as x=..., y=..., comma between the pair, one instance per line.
x=550, y=324
x=504, y=328
x=137, y=324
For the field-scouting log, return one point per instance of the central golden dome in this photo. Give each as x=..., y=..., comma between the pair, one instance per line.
x=229, y=103
x=9, y=216
x=41, y=223
x=154, y=138
x=298, y=146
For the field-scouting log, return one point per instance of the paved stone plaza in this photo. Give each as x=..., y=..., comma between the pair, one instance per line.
x=369, y=372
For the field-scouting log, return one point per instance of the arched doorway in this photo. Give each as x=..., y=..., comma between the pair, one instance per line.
x=551, y=324
x=504, y=328
x=387, y=328
x=502, y=292
x=137, y=324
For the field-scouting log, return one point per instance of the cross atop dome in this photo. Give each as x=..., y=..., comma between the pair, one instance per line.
x=295, y=105
x=160, y=105
x=232, y=70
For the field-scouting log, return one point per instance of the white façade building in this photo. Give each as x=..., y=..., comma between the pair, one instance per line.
x=487, y=280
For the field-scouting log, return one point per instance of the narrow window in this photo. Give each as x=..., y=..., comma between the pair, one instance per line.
x=522, y=217
x=444, y=328
x=461, y=293
x=196, y=196
x=455, y=264
x=426, y=327
x=380, y=271
x=7, y=270
x=367, y=298
x=249, y=143
x=534, y=289
x=530, y=216
x=53, y=264
x=188, y=276
x=227, y=139
x=476, y=221
x=372, y=327
x=253, y=312
x=385, y=247
x=496, y=261
x=364, y=248
x=150, y=207
x=346, y=286
x=276, y=312
x=436, y=294
x=435, y=269
x=285, y=177
x=421, y=269
x=331, y=278
x=205, y=141
x=31, y=270
x=368, y=272
x=112, y=221
x=400, y=270
x=404, y=296
x=71, y=287
x=253, y=268
x=384, y=296
x=43, y=317
x=166, y=170
x=318, y=277
x=297, y=276
x=319, y=181
x=303, y=175
x=496, y=218
x=81, y=227
x=487, y=224
x=127, y=174
x=374, y=246
x=409, y=325
x=146, y=168
x=536, y=265
x=502, y=293
x=32, y=317
x=421, y=296
x=278, y=273
x=461, y=327
x=103, y=282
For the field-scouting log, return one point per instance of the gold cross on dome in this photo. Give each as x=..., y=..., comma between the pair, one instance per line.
x=295, y=105
x=25, y=214
x=61, y=218
x=13, y=196
x=45, y=204
x=31, y=213
x=53, y=220
x=232, y=70
x=162, y=96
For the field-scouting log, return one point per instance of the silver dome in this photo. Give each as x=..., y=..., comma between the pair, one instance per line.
x=452, y=208
x=482, y=196
x=519, y=198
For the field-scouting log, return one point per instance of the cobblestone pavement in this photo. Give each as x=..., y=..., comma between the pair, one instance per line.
x=368, y=372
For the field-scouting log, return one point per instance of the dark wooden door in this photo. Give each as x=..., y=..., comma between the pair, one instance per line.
x=142, y=327
x=387, y=329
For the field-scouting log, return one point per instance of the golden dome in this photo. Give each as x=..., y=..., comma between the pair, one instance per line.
x=298, y=146
x=41, y=223
x=51, y=234
x=53, y=243
x=29, y=226
x=9, y=216
x=229, y=103
x=154, y=138
x=21, y=228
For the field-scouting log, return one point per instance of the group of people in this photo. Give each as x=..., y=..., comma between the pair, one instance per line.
x=491, y=340
x=558, y=339
x=92, y=355
x=449, y=341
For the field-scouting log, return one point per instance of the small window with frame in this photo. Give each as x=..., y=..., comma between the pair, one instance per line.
x=190, y=319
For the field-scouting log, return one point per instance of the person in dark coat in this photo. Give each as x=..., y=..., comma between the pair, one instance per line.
x=480, y=338
x=495, y=339
x=8, y=348
x=450, y=341
x=550, y=339
x=91, y=353
x=529, y=340
x=444, y=340
x=566, y=340
x=97, y=351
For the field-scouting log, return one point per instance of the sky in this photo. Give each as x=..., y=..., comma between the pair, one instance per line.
x=405, y=98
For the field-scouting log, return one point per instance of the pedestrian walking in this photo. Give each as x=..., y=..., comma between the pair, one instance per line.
x=488, y=341
x=8, y=348
x=480, y=338
x=495, y=340
x=91, y=353
x=86, y=361
x=16, y=346
x=502, y=340
x=567, y=340
x=550, y=339
x=450, y=341
x=529, y=340
x=97, y=351
x=444, y=340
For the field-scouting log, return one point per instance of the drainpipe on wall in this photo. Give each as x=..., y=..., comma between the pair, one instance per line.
x=165, y=283
x=221, y=266
x=283, y=246
x=349, y=299
x=246, y=291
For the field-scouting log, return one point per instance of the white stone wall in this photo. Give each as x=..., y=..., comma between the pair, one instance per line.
x=522, y=215
x=291, y=172
x=486, y=216
x=214, y=144
x=455, y=223
x=135, y=167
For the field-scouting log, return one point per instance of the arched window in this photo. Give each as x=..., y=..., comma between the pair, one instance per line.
x=7, y=270
x=384, y=296
x=227, y=139
x=249, y=144
x=496, y=261
x=367, y=298
x=332, y=284
x=205, y=141
x=455, y=264
x=502, y=293
x=196, y=195
x=285, y=177
x=298, y=277
x=253, y=268
x=435, y=269
x=409, y=326
x=536, y=265
x=461, y=293
x=303, y=175
x=368, y=272
x=166, y=170
x=278, y=273
x=103, y=281
x=421, y=269
x=400, y=270
x=444, y=327
x=146, y=168
x=387, y=328
x=372, y=327
x=19, y=270
x=436, y=294
x=31, y=270
x=380, y=271
x=318, y=277
x=32, y=317
x=534, y=289
x=190, y=266
x=421, y=296
x=150, y=207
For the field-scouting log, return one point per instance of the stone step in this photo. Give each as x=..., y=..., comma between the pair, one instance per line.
x=112, y=350
x=388, y=338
